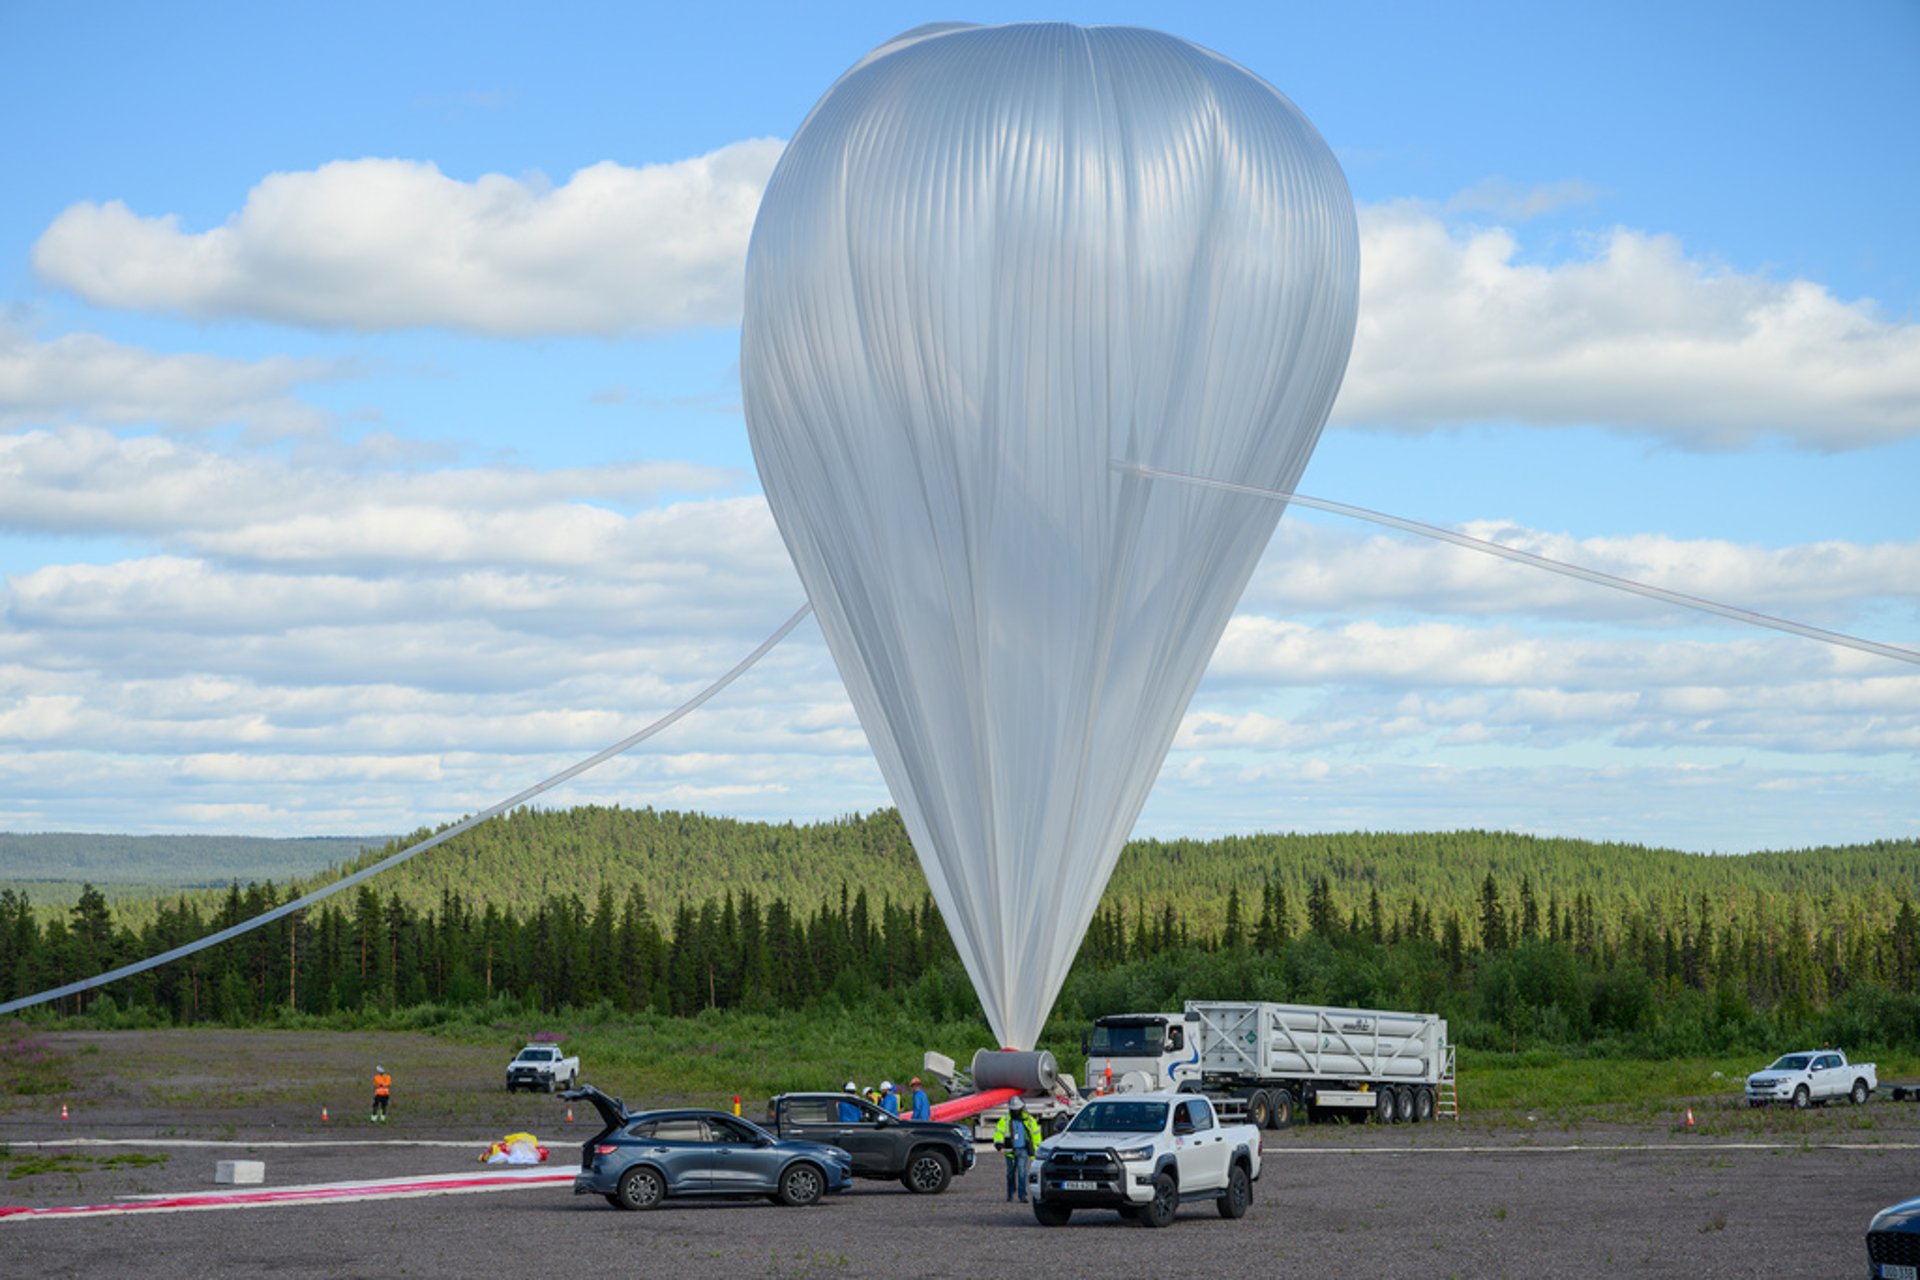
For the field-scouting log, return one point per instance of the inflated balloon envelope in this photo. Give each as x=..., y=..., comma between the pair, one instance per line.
x=992, y=262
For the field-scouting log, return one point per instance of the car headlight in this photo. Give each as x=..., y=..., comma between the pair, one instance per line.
x=1136, y=1153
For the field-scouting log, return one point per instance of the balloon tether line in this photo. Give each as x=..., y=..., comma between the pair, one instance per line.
x=441, y=837
x=1595, y=576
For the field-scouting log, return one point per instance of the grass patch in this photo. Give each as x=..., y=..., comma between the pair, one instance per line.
x=32, y=1164
x=28, y=1064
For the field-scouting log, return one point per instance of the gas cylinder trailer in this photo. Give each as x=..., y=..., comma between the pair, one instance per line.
x=979, y=1096
x=1276, y=1059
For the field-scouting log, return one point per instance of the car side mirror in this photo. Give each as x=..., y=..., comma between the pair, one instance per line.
x=1182, y=1129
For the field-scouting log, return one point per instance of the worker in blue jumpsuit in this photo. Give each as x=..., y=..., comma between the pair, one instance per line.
x=922, y=1108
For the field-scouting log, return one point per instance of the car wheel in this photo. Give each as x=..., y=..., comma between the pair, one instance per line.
x=1859, y=1094
x=801, y=1185
x=1402, y=1105
x=1801, y=1098
x=512, y=1087
x=1422, y=1105
x=1282, y=1109
x=1159, y=1211
x=928, y=1172
x=1051, y=1215
x=614, y=1200
x=1234, y=1200
x=1260, y=1109
x=1131, y=1212
x=640, y=1188
x=1383, y=1107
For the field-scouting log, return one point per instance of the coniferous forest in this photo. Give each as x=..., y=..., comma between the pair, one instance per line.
x=1520, y=942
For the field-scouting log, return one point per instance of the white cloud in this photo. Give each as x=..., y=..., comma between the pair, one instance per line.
x=391, y=244
x=89, y=377
x=84, y=480
x=1455, y=328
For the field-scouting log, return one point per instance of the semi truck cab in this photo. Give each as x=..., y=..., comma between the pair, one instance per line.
x=1141, y=1052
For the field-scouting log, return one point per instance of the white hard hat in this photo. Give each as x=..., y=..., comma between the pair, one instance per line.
x=851, y=1087
x=886, y=1086
x=1016, y=1105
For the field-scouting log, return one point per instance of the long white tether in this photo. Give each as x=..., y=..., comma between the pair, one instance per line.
x=439, y=837
x=1581, y=572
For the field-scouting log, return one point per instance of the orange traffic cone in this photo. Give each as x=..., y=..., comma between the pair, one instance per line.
x=569, y=1115
x=63, y=1111
x=1689, y=1124
x=324, y=1117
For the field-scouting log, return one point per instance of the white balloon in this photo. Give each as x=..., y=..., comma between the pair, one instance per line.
x=993, y=261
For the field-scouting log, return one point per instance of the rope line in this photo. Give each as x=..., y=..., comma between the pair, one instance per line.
x=1539, y=562
x=298, y=904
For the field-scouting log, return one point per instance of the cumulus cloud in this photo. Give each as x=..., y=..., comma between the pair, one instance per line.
x=380, y=244
x=85, y=480
x=85, y=376
x=1455, y=328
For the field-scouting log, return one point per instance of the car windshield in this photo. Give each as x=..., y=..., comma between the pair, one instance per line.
x=1792, y=1062
x=1128, y=1040
x=1120, y=1117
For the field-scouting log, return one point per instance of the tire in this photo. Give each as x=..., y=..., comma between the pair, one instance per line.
x=1283, y=1109
x=1383, y=1107
x=1402, y=1104
x=1422, y=1105
x=1233, y=1202
x=639, y=1188
x=1859, y=1094
x=1801, y=1098
x=1130, y=1212
x=1260, y=1109
x=928, y=1172
x=614, y=1200
x=1051, y=1215
x=1159, y=1211
x=802, y=1184
x=512, y=1087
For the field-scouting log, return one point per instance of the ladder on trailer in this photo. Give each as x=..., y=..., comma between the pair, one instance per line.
x=1447, y=1099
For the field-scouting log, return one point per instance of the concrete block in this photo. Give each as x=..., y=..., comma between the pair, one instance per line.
x=240, y=1173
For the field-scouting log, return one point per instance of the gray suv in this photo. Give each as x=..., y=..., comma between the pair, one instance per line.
x=640, y=1159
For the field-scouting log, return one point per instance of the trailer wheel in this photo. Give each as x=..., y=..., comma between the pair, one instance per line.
x=1383, y=1107
x=1402, y=1104
x=1422, y=1104
x=1260, y=1109
x=1282, y=1109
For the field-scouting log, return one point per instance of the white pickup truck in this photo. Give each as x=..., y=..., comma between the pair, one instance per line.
x=1814, y=1075
x=1145, y=1154
x=541, y=1066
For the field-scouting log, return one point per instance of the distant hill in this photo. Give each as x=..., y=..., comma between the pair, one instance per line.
x=520, y=860
x=51, y=866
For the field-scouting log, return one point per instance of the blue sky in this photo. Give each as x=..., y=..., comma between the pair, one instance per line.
x=370, y=440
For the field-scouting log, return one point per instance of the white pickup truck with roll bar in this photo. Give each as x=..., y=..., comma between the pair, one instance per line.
x=1276, y=1059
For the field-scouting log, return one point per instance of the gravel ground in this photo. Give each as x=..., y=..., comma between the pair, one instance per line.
x=1424, y=1201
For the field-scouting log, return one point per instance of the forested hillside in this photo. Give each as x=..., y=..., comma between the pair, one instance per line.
x=678, y=859
x=1518, y=940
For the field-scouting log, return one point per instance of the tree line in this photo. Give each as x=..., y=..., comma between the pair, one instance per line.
x=1518, y=967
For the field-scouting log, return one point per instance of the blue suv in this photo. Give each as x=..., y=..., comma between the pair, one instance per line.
x=642, y=1158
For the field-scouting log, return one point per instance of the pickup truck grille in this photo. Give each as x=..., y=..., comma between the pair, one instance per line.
x=1901, y=1247
x=1099, y=1167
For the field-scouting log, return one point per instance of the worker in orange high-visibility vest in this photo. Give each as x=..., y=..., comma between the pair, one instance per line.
x=382, y=1087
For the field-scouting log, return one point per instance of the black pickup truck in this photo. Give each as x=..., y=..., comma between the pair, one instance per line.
x=923, y=1155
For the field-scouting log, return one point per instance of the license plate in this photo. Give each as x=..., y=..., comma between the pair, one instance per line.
x=1896, y=1271
x=1094, y=1186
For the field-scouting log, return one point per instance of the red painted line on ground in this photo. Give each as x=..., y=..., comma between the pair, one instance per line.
x=287, y=1195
